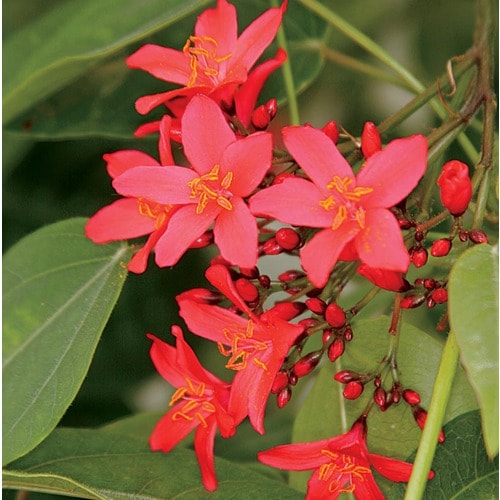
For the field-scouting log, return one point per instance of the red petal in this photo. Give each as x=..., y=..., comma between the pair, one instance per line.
x=139, y=261
x=317, y=155
x=164, y=148
x=380, y=244
x=299, y=456
x=119, y=221
x=393, y=172
x=121, y=161
x=204, y=449
x=392, y=469
x=205, y=133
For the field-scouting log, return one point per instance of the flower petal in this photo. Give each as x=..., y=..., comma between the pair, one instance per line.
x=381, y=244
x=139, y=261
x=120, y=161
x=394, y=171
x=120, y=220
x=146, y=103
x=162, y=185
x=162, y=62
x=316, y=153
x=298, y=456
x=320, y=254
x=294, y=201
x=204, y=449
x=205, y=133
x=235, y=233
x=392, y=469
x=184, y=227
x=249, y=159
x=164, y=146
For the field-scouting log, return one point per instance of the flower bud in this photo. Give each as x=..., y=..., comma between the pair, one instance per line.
x=441, y=247
x=383, y=278
x=287, y=238
x=284, y=397
x=420, y=416
x=264, y=280
x=336, y=349
x=327, y=335
x=250, y=272
x=463, y=235
x=271, y=247
x=290, y=275
x=353, y=390
x=411, y=397
x=412, y=301
x=335, y=315
x=348, y=335
x=308, y=323
x=248, y=291
x=439, y=295
x=455, y=187
x=331, y=130
x=478, y=236
x=418, y=256
x=260, y=118
x=285, y=310
x=379, y=395
x=307, y=364
x=345, y=376
x=429, y=283
x=280, y=382
x=316, y=305
x=370, y=140
x=272, y=107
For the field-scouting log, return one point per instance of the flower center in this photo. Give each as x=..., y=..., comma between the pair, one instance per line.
x=197, y=401
x=153, y=210
x=342, y=472
x=203, y=58
x=210, y=187
x=242, y=346
x=345, y=200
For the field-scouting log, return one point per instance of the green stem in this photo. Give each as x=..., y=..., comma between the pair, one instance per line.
x=293, y=107
x=435, y=418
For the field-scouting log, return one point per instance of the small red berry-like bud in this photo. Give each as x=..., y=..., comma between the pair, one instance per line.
x=344, y=376
x=383, y=278
x=281, y=177
x=370, y=140
x=455, y=187
x=272, y=107
x=293, y=379
x=411, y=397
x=307, y=364
x=327, y=335
x=250, y=272
x=379, y=396
x=396, y=393
x=285, y=310
x=353, y=390
x=284, y=397
x=463, y=235
x=418, y=256
x=316, y=305
x=271, y=247
x=260, y=118
x=430, y=302
x=412, y=301
x=207, y=238
x=441, y=247
x=429, y=283
x=308, y=323
x=248, y=291
x=405, y=223
x=419, y=235
x=348, y=335
x=287, y=238
x=377, y=382
x=335, y=315
x=290, y=275
x=331, y=130
x=336, y=349
x=280, y=382
x=265, y=281
x=439, y=295
x=420, y=416
x=478, y=236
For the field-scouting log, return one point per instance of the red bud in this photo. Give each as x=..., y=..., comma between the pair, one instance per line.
x=287, y=238
x=353, y=390
x=335, y=315
x=441, y=247
x=420, y=416
x=265, y=281
x=272, y=107
x=379, y=396
x=370, y=140
x=307, y=364
x=280, y=382
x=260, y=118
x=284, y=397
x=285, y=310
x=411, y=397
x=290, y=275
x=478, y=236
x=418, y=256
x=331, y=130
x=336, y=349
x=412, y=301
x=316, y=305
x=248, y=291
x=271, y=247
x=455, y=187
x=345, y=376
x=439, y=295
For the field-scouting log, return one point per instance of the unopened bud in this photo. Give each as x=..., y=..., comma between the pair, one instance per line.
x=264, y=280
x=308, y=323
x=327, y=335
x=441, y=248
x=418, y=256
x=260, y=118
x=307, y=364
x=272, y=107
x=405, y=223
x=285, y=310
x=478, y=236
x=331, y=130
x=463, y=235
x=420, y=416
x=336, y=349
x=316, y=305
x=455, y=187
x=353, y=390
x=411, y=397
x=348, y=335
x=248, y=291
x=429, y=283
x=370, y=140
x=287, y=238
x=250, y=272
x=345, y=376
x=284, y=396
x=412, y=301
x=335, y=315
x=207, y=238
x=440, y=295
x=290, y=275
x=379, y=395
x=271, y=247
x=280, y=382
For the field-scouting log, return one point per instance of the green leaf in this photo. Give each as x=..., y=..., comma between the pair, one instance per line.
x=66, y=41
x=461, y=466
x=102, y=464
x=473, y=310
x=101, y=101
x=325, y=413
x=59, y=290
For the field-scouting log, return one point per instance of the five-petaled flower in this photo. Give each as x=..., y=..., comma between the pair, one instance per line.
x=353, y=210
x=214, y=61
x=341, y=464
x=134, y=216
x=200, y=402
x=225, y=170
x=255, y=347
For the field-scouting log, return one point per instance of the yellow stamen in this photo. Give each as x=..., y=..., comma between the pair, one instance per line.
x=201, y=190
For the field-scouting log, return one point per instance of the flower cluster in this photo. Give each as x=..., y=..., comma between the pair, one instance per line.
x=337, y=218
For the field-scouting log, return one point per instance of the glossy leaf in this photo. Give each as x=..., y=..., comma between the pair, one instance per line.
x=461, y=466
x=325, y=413
x=59, y=290
x=473, y=309
x=103, y=464
x=66, y=41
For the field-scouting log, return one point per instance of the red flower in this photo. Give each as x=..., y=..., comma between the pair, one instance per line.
x=455, y=187
x=200, y=402
x=348, y=208
x=341, y=464
x=134, y=216
x=215, y=62
x=255, y=348
x=224, y=171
